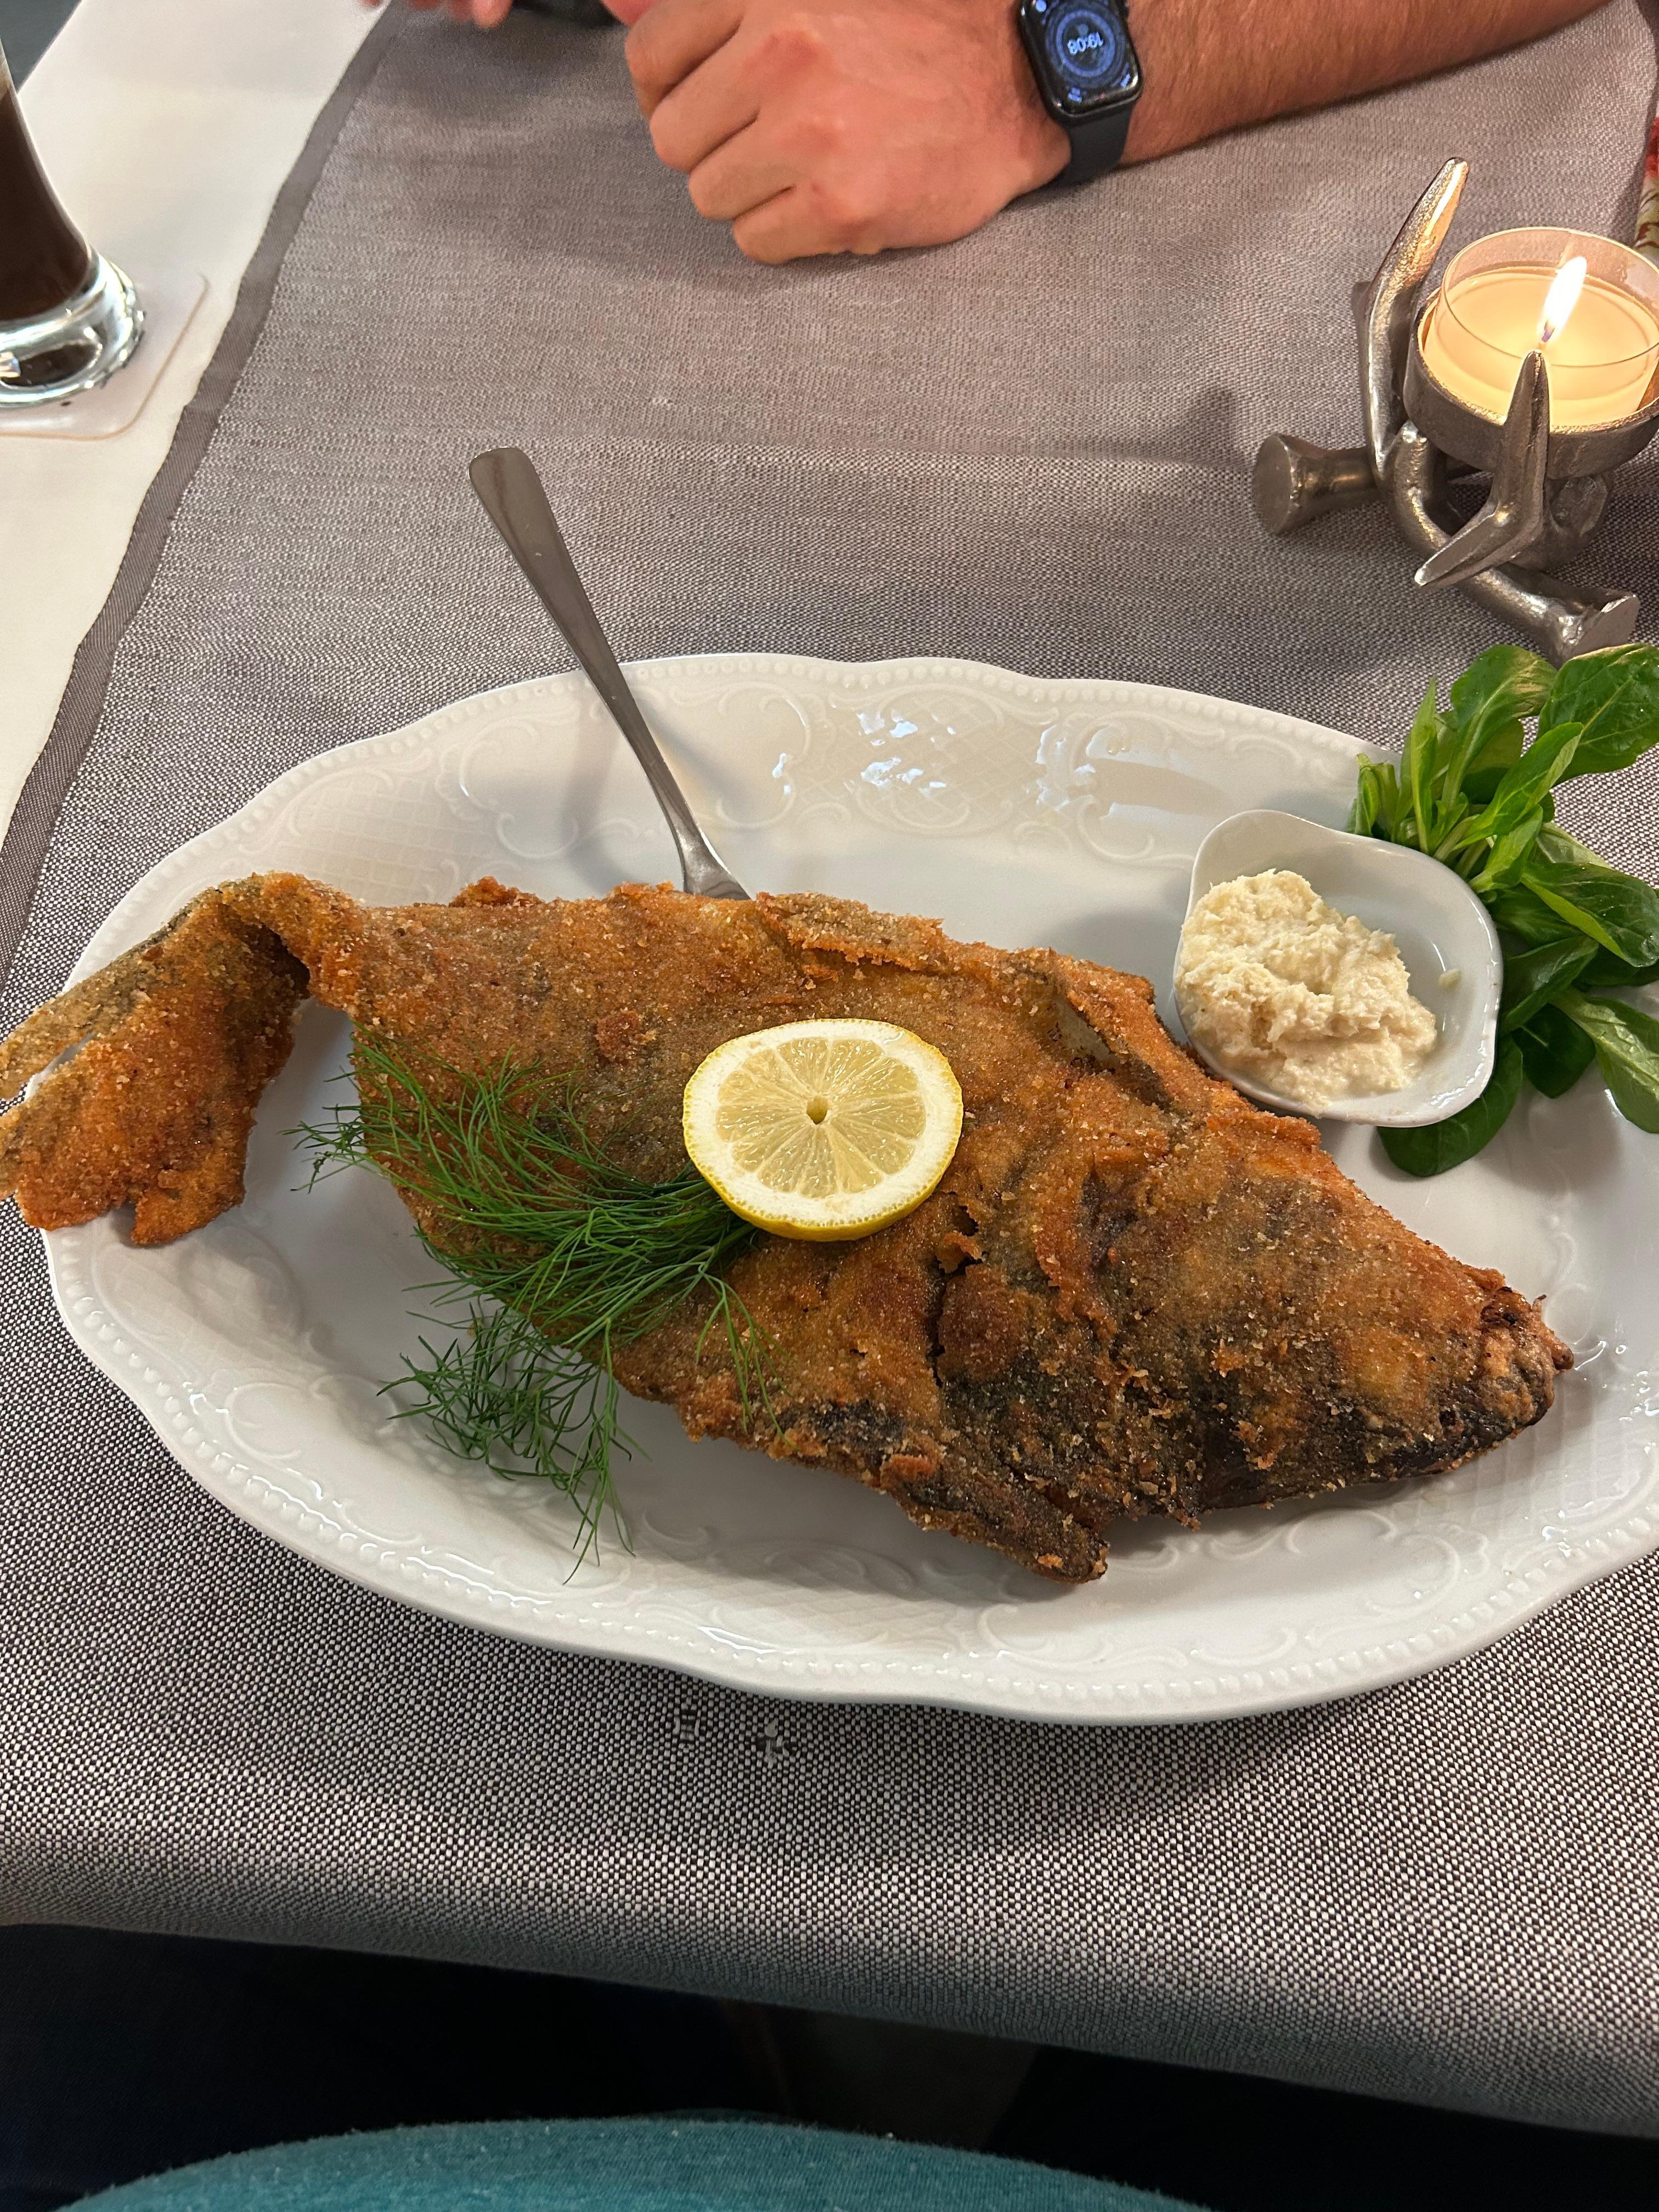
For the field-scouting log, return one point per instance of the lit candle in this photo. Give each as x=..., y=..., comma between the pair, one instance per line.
x=1591, y=305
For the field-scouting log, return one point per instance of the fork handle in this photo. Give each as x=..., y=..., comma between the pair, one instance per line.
x=512, y=495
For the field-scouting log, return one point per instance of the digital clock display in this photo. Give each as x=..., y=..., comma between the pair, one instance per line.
x=1089, y=60
x=1088, y=45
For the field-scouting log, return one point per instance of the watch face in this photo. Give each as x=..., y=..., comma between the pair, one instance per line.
x=1085, y=54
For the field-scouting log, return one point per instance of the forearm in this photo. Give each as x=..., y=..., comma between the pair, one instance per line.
x=847, y=126
x=1213, y=66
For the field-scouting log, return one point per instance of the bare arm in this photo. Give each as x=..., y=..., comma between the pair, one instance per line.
x=826, y=126
x=1210, y=69
x=844, y=127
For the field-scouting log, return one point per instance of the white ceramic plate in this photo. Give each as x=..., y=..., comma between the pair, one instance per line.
x=1021, y=812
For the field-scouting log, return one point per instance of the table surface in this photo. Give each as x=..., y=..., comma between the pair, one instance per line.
x=1437, y=1892
x=168, y=147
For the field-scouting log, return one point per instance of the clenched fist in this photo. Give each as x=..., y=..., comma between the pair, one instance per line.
x=842, y=126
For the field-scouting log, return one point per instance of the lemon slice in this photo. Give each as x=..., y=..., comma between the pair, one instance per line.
x=824, y=1129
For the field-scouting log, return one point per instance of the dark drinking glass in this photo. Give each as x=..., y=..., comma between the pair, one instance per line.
x=44, y=259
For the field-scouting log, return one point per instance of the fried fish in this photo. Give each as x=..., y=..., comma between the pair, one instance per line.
x=1132, y=1292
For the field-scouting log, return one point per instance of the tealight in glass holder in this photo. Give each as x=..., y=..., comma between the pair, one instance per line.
x=1535, y=365
x=69, y=318
x=1591, y=305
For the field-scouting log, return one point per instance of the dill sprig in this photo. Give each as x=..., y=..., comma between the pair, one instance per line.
x=503, y=1393
x=560, y=1254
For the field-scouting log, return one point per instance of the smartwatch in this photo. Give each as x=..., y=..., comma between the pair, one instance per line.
x=1088, y=76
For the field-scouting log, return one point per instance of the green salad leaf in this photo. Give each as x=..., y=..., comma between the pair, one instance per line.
x=1509, y=852
x=1497, y=756
x=1607, y=972
x=1619, y=911
x=1527, y=785
x=1447, y=1143
x=1627, y=1043
x=1614, y=698
x=1367, y=806
x=1471, y=791
x=1520, y=914
x=1555, y=844
x=1554, y=1051
x=1505, y=684
x=1417, y=772
x=1532, y=978
x=1490, y=701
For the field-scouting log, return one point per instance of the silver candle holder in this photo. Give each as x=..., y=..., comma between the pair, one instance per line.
x=69, y=318
x=1547, y=490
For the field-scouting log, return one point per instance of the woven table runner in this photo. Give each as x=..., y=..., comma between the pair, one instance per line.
x=1032, y=448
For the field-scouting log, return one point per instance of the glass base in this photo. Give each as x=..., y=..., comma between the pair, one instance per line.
x=170, y=295
x=75, y=348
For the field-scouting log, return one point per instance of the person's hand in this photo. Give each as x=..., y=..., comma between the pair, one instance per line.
x=486, y=14
x=843, y=126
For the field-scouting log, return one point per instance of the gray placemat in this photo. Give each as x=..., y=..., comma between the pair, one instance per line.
x=1031, y=448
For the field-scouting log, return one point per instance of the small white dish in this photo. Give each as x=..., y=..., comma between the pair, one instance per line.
x=1439, y=925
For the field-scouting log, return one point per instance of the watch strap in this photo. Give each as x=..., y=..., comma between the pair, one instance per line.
x=1097, y=143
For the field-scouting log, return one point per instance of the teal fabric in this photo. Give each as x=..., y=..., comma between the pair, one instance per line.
x=618, y=2165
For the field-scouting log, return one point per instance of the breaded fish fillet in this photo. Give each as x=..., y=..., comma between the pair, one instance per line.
x=1132, y=1292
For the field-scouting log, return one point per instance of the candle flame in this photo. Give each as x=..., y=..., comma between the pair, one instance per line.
x=1562, y=298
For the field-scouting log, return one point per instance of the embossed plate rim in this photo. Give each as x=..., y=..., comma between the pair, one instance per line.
x=1018, y=1689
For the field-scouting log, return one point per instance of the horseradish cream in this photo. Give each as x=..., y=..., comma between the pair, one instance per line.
x=1301, y=998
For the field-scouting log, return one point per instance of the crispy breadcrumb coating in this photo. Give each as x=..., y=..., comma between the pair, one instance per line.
x=1132, y=1293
